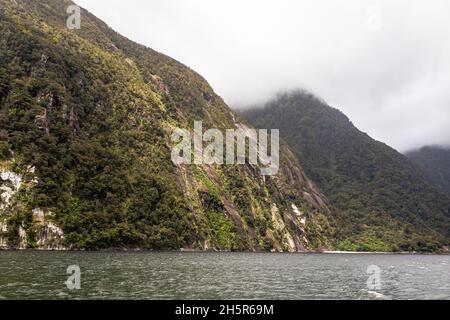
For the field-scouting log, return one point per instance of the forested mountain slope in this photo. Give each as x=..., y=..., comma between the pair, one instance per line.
x=435, y=162
x=384, y=201
x=86, y=118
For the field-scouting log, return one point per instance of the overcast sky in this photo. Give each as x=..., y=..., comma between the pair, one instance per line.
x=385, y=64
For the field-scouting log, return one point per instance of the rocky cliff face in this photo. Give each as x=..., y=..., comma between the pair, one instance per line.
x=16, y=231
x=86, y=118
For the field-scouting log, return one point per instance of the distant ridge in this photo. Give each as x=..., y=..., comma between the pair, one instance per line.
x=435, y=162
x=384, y=202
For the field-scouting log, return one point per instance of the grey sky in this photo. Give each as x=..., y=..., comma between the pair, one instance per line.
x=386, y=64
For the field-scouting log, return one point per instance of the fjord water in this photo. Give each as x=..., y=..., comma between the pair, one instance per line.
x=151, y=275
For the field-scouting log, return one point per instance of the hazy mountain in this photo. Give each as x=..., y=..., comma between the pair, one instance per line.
x=435, y=162
x=383, y=200
x=85, y=123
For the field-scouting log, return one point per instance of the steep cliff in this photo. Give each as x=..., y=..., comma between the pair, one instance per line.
x=86, y=118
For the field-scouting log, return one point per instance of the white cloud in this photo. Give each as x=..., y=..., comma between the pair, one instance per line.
x=384, y=63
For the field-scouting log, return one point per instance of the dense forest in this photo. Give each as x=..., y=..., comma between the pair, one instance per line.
x=86, y=117
x=383, y=201
x=435, y=162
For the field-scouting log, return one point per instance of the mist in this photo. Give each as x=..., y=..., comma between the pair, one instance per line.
x=385, y=64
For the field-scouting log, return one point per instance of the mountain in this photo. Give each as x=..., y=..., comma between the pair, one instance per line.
x=383, y=201
x=435, y=162
x=86, y=118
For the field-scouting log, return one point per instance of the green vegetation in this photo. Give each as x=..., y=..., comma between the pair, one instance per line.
x=435, y=163
x=382, y=201
x=92, y=112
x=56, y=116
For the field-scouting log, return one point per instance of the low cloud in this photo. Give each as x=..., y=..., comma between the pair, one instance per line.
x=383, y=63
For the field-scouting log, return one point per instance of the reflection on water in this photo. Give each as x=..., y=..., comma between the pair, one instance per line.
x=149, y=275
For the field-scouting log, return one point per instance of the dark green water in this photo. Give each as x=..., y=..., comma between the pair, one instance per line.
x=144, y=275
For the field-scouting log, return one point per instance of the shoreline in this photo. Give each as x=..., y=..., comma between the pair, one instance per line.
x=183, y=250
